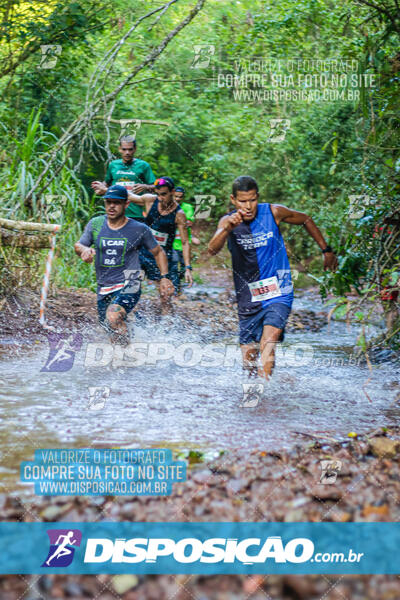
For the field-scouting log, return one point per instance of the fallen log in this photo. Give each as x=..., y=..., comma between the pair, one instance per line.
x=28, y=226
x=126, y=121
x=21, y=240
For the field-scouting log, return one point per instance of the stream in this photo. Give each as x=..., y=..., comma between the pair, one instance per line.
x=189, y=393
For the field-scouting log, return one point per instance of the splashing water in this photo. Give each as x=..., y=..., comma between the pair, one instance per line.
x=190, y=392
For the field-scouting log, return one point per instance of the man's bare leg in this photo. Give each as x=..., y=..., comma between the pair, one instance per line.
x=269, y=339
x=250, y=356
x=116, y=316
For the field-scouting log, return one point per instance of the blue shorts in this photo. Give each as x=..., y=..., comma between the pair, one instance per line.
x=149, y=266
x=251, y=328
x=127, y=301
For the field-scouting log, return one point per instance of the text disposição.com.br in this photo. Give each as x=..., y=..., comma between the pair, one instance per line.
x=212, y=550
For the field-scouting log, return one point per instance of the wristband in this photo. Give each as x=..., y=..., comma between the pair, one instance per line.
x=166, y=276
x=188, y=267
x=327, y=249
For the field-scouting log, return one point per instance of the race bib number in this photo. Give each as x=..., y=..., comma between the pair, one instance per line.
x=264, y=289
x=160, y=236
x=128, y=185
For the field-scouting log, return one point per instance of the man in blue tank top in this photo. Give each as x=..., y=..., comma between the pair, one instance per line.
x=261, y=270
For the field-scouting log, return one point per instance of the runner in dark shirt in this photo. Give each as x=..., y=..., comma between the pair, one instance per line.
x=164, y=216
x=117, y=240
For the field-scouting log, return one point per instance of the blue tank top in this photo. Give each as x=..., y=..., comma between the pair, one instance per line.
x=163, y=226
x=261, y=270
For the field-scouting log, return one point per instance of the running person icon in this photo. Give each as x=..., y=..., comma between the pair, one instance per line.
x=65, y=349
x=62, y=549
x=261, y=270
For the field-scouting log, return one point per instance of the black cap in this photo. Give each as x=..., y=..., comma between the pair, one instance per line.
x=117, y=192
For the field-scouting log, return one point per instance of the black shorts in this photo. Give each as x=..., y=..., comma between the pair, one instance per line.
x=149, y=266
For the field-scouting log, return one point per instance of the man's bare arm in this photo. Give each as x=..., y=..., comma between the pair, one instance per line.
x=166, y=287
x=84, y=252
x=141, y=200
x=99, y=187
x=161, y=260
x=183, y=232
x=225, y=226
x=146, y=200
x=283, y=214
x=143, y=187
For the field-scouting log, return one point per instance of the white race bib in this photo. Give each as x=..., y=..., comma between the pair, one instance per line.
x=264, y=289
x=126, y=184
x=161, y=237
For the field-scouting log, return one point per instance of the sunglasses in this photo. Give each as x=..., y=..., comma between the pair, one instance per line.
x=161, y=181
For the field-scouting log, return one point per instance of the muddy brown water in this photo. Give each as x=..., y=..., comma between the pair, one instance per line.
x=189, y=393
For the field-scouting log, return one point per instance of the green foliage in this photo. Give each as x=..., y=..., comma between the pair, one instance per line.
x=65, y=201
x=332, y=150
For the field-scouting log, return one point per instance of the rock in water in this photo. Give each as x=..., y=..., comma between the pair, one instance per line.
x=383, y=447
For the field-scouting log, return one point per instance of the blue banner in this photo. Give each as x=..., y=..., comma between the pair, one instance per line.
x=203, y=548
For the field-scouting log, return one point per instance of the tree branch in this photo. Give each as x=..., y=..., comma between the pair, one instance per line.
x=93, y=108
x=382, y=9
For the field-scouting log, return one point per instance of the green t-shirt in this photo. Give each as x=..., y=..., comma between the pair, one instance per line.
x=188, y=209
x=138, y=171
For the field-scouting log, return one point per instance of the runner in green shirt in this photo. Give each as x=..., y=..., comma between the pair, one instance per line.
x=132, y=173
x=188, y=209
